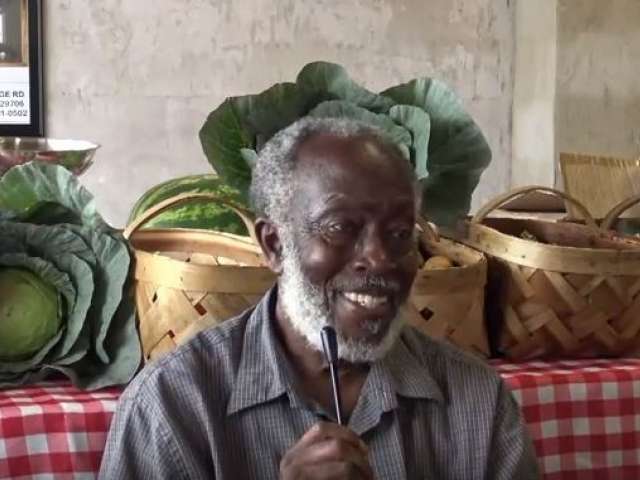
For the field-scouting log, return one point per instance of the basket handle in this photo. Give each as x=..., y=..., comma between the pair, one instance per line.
x=245, y=215
x=500, y=200
x=618, y=210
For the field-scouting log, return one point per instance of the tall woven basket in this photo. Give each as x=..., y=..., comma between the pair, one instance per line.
x=448, y=302
x=558, y=289
x=188, y=280
x=599, y=182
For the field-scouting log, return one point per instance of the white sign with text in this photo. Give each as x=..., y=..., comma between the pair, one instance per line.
x=14, y=96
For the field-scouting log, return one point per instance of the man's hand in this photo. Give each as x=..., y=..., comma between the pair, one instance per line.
x=327, y=451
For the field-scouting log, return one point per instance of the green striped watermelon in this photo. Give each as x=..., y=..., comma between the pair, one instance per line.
x=194, y=214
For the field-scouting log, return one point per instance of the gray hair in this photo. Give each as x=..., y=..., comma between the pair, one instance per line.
x=272, y=183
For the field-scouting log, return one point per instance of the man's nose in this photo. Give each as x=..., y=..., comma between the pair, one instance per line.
x=372, y=252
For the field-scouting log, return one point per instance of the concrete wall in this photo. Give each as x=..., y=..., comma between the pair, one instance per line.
x=598, y=86
x=534, y=94
x=139, y=77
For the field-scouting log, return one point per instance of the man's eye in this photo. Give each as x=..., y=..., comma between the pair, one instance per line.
x=340, y=227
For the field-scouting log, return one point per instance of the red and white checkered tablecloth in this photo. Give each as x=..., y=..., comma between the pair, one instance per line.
x=584, y=417
x=53, y=431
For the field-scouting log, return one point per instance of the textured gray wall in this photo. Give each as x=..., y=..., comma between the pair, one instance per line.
x=598, y=87
x=534, y=93
x=139, y=77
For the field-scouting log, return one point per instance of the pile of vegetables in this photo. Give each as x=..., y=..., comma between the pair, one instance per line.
x=65, y=305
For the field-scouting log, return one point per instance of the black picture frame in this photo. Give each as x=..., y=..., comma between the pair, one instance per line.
x=35, y=127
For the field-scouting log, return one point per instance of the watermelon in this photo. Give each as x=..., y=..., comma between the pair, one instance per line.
x=199, y=214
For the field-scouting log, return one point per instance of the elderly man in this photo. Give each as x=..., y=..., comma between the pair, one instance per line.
x=252, y=398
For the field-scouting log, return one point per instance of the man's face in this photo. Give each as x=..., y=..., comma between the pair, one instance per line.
x=350, y=254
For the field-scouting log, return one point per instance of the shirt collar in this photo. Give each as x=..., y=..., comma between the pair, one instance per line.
x=264, y=376
x=259, y=377
x=400, y=374
x=408, y=374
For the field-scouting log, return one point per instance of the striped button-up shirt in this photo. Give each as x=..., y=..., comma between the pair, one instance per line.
x=225, y=406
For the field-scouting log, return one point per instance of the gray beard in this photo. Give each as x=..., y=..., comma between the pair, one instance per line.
x=308, y=312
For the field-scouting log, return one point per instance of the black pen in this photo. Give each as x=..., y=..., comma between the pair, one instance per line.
x=330, y=347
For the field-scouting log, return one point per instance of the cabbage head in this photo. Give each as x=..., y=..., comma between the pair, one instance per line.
x=424, y=117
x=65, y=302
x=29, y=313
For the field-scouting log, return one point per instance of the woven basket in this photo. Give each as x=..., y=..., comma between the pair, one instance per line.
x=448, y=303
x=574, y=291
x=599, y=182
x=188, y=280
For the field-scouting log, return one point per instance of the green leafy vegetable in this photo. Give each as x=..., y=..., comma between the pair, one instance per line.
x=30, y=317
x=25, y=189
x=424, y=117
x=52, y=231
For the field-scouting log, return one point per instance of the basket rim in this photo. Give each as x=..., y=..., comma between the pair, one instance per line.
x=153, y=233
x=162, y=241
x=480, y=258
x=532, y=254
x=470, y=275
x=164, y=271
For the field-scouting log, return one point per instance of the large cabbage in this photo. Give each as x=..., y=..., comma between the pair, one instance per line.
x=424, y=117
x=49, y=228
x=30, y=313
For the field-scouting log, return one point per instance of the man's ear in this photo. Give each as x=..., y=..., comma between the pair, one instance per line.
x=269, y=238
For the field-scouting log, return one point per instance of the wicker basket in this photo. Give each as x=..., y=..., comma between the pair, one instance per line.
x=188, y=280
x=566, y=290
x=448, y=303
x=599, y=182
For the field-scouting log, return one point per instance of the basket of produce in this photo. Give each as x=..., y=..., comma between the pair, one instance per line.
x=187, y=280
x=447, y=299
x=557, y=289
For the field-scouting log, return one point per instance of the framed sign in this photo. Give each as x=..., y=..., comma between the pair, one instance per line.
x=21, y=86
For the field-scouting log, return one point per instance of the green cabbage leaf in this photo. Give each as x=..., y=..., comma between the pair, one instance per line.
x=424, y=117
x=49, y=227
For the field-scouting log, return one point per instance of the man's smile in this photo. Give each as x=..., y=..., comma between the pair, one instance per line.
x=367, y=305
x=365, y=300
